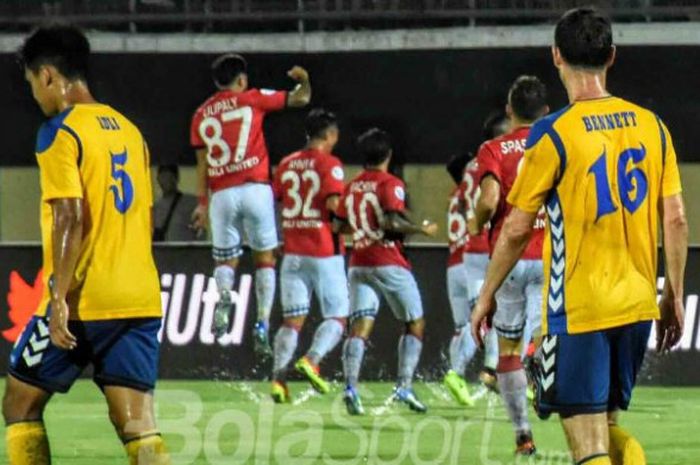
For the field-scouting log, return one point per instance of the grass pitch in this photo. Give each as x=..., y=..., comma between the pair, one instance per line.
x=207, y=422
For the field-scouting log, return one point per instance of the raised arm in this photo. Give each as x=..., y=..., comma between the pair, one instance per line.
x=67, y=238
x=301, y=95
x=674, y=225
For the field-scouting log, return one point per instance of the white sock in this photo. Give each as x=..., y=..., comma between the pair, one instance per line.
x=327, y=336
x=491, y=350
x=410, y=348
x=513, y=387
x=462, y=349
x=265, y=282
x=285, y=344
x=353, y=353
x=224, y=275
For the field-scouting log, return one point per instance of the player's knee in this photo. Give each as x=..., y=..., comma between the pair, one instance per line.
x=232, y=262
x=361, y=327
x=264, y=258
x=416, y=328
x=296, y=323
x=21, y=405
x=509, y=347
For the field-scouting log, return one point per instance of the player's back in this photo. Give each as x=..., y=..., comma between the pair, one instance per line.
x=367, y=200
x=502, y=157
x=303, y=182
x=615, y=161
x=230, y=126
x=115, y=276
x=456, y=227
x=471, y=191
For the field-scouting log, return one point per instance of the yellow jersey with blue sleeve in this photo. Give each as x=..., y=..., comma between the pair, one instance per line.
x=92, y=152
x=600, y=167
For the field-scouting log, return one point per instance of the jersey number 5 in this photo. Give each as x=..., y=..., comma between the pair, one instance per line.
x=123, y=199
x=211, y=131
x=629, y=183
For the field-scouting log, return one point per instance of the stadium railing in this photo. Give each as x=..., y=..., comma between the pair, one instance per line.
x=272, y=15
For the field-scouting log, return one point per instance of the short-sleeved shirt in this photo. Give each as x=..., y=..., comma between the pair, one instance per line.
x=601, y=167
x=366, y=201
x=303, y=183
x=501, y=158
x=470, y=186
x=229, y=125
x=456, y=227
x=92, y=152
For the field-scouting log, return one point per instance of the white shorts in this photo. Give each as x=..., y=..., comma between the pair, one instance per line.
x=519, y=300
x=245, y=211
x=458, y=295
x=301, y=277
x=395, y=283
x=475, y=265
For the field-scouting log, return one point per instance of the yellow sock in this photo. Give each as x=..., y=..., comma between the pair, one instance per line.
x=596, y=460
x=624, y=448
x=27, y=443
x=148, y=449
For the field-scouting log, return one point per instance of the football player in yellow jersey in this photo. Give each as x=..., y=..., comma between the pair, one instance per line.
x=606, y=171
x=101, y=302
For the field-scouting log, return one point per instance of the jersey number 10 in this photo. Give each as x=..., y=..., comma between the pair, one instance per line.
x=628, y=182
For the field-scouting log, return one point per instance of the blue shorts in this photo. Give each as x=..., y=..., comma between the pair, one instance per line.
x=590, y=372
x=122, y=352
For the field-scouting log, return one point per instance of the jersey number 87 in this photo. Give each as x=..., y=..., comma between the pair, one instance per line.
x=211, y=131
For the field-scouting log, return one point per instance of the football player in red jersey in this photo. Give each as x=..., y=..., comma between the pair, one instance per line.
x=233, y=164
x=466, y=268
x=308, y=184
x=373, y=206
x=519, y=300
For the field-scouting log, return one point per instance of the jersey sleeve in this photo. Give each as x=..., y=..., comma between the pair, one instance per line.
x=488, y=164
x=332, y=178
x=670, y=179
x=393, y=196
x=342, y=210
x=537, y=175
x=59, y=170
x=195, y=138
x=149, y=182
x=269, y=100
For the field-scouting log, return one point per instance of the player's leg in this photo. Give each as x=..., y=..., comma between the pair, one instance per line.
x=296, y=300
x=331, y=288
x=475, y=268
x=509, y=322
x=25, y=435
x=364, y=305
x=462, y=346
x=125, y=357
x=400, y=289
x=574, y=381
x=226, y=250
x=628, y=347
x=132, y=414
x=36, y=370
x=261, y=231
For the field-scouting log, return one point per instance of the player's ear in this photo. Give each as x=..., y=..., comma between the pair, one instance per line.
x=556, y=56
x=509, y=111
x=611, y=59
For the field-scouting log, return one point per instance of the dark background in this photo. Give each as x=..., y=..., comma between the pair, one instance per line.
x=199, y=361
x=433, y=101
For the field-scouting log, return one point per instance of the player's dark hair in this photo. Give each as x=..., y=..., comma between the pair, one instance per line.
x=584, y=37
x=493, y=121
x=375, y=146
x=318, y=121
x=169, y=168
x=455, y=166
x=61, y=45
x=528, y=98
x=226, y=69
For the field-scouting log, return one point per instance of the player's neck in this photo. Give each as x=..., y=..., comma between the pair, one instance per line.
x=585, y=85
x=236, y=88
x=516, y=124
x=319, y=145
x=74, y=93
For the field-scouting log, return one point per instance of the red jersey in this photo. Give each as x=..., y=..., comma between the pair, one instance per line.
x=303, y=182
x=471, y=191
x=456, y=227
x=501, y=158
x=367, y=199
x=230, y=126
